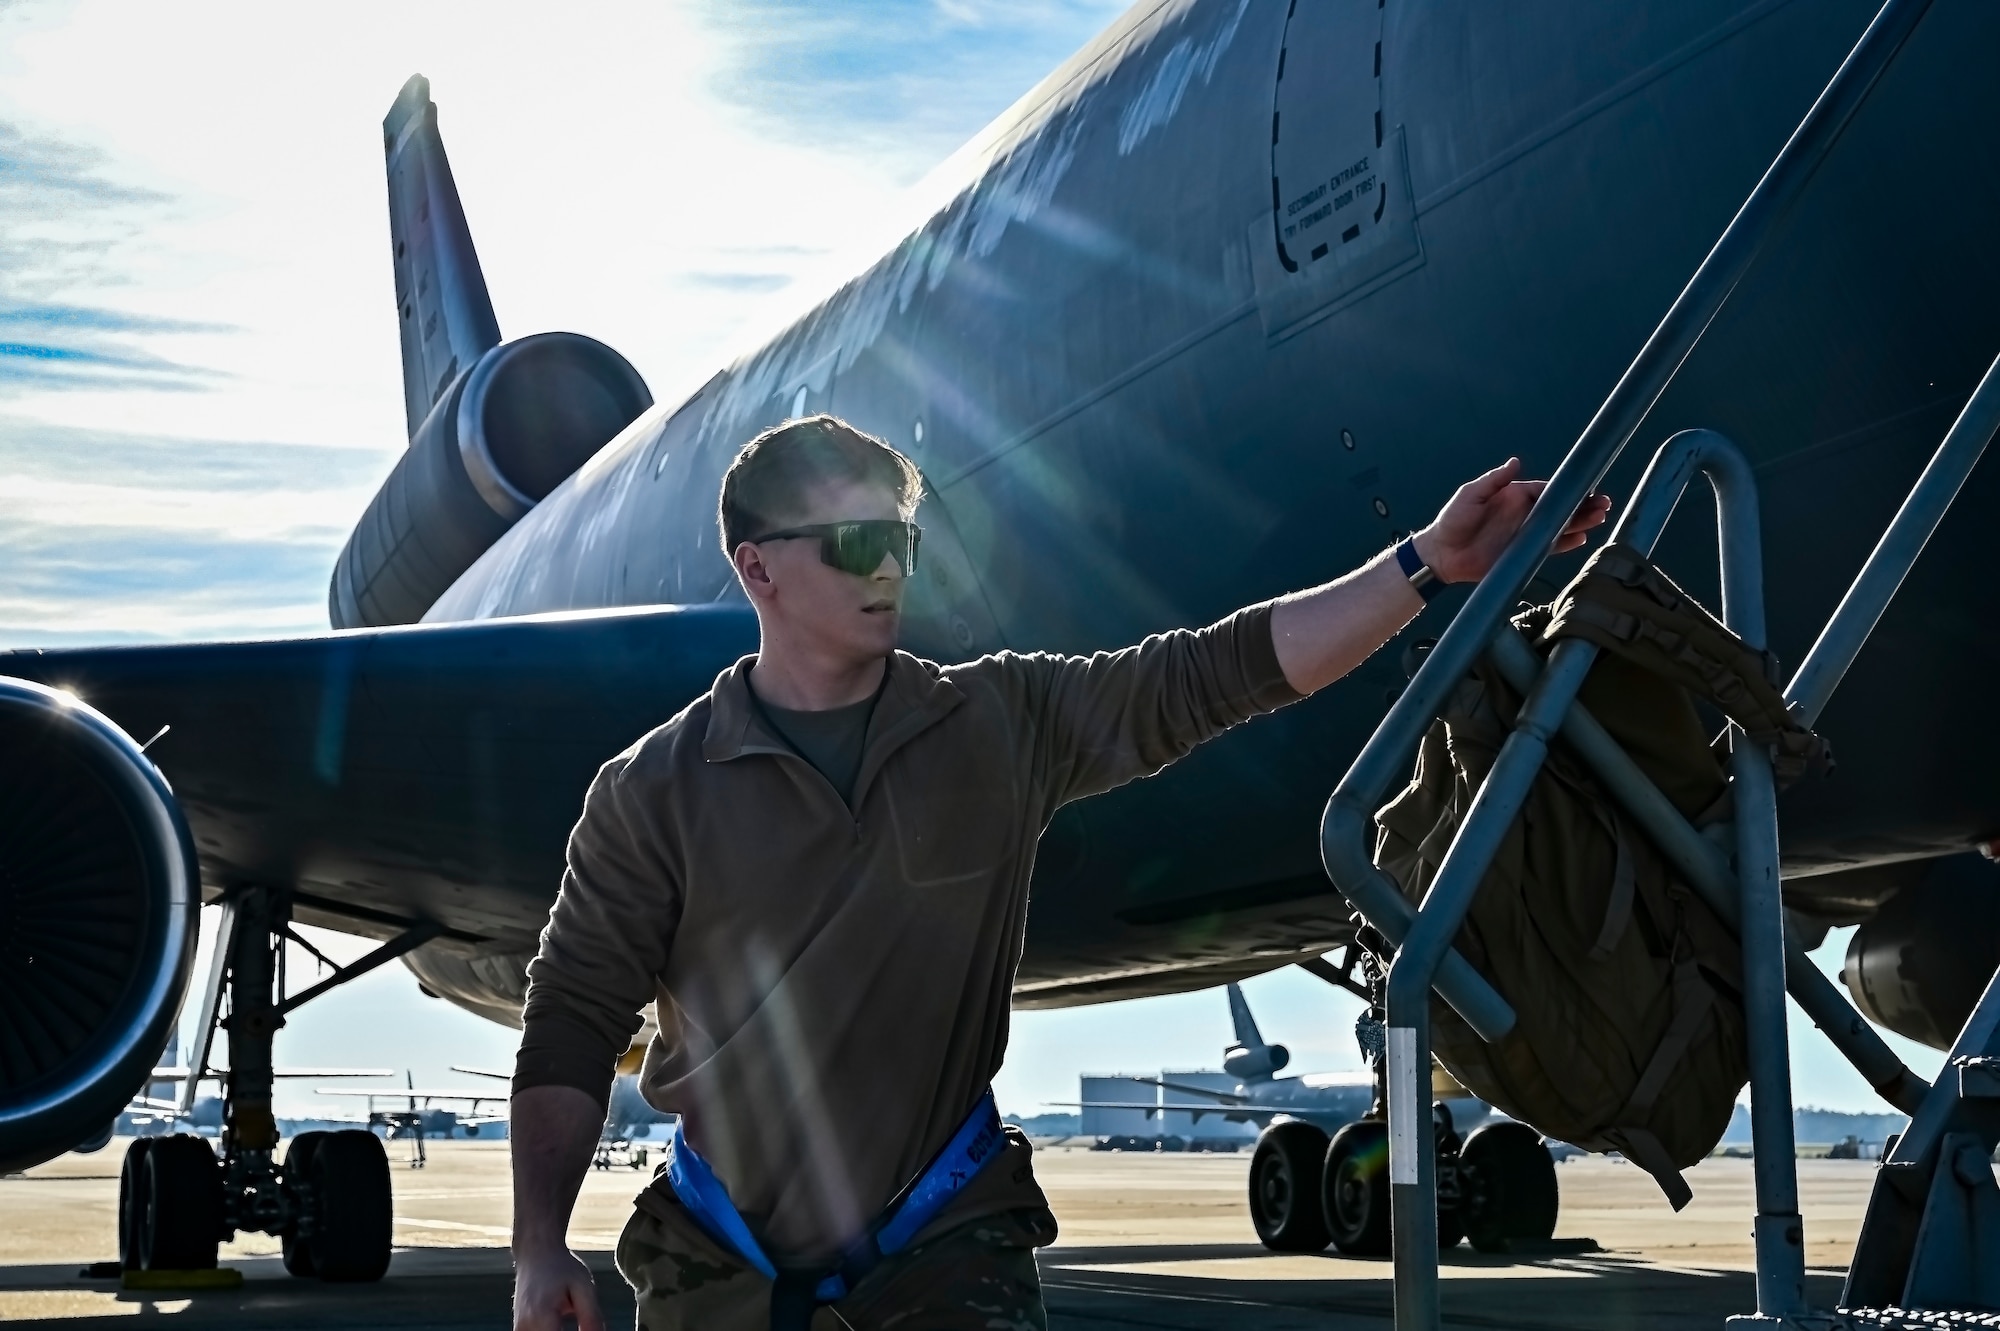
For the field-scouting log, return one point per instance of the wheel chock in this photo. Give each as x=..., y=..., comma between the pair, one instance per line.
x=215, y=1277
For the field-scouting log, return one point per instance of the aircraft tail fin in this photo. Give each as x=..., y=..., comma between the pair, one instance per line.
x=442, y=307
x=1246, y=1026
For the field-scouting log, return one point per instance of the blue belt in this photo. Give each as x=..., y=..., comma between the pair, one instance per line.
x=976, y=1143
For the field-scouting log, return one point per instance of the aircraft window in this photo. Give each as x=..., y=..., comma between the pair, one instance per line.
x=799, y=402
x=917, y=430
x=1347, y=440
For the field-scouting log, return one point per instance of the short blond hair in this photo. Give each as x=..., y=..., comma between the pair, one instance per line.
x=768, y=481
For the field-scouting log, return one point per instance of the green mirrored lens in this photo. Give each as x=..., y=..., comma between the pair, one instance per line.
x=858, y=547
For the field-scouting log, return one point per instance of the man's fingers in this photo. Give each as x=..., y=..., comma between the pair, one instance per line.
x=1483, y=487
x=1590, y=513
x=583, y=1306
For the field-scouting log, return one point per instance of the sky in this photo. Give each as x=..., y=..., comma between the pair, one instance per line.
x=199, y=372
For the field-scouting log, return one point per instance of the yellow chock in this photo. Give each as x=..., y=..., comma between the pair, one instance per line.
x=218, y=1277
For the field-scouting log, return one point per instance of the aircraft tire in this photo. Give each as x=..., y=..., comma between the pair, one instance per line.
x=1451, y=1227
x=297, y=1247
x=130, y=1207
x=1284, y=1201
x=179, y=1211
x=349, y=1171
x=1508, y=1181
x=1355, y=1189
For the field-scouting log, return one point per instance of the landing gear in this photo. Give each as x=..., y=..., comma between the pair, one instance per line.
x=1284, y=1188
x=329, y=1202
x=1508, y=1181
x=297, y=1235
x=170, y=1204
x=1355, y=1188
x=350, y=1210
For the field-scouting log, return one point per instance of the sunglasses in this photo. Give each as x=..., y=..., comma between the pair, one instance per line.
x=858, y=547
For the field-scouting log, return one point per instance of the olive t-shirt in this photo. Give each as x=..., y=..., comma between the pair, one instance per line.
x=830, y=740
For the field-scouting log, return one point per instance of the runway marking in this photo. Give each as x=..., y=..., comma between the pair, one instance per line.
x=1321, y=1268
x=503, y=1232
x=50, y=1304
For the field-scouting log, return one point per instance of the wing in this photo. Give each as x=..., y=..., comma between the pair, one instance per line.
x=1248, y=1113
x=217, y=1074
x=428, y=772
x=1182, y=1088
x=412, y=1093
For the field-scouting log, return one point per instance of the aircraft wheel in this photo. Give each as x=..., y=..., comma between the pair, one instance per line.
x=1356, y=1189
x=1284, y=1204
x=349, y=1172
x=298, y=1160
x=131, y=1190
x=1508, y=1181
x=179, y=1210
x=1451, y=1227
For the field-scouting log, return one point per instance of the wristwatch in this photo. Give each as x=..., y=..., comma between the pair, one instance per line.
x=1421, y=575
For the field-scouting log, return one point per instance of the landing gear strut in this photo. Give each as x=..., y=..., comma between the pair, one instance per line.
x=328, y=1199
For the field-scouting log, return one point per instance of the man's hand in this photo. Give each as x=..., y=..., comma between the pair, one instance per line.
x=1322, y=634
x=1478, y=521
x=552, y=1284
x=552, y=1133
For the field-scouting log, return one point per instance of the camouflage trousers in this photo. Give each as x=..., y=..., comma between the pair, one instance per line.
x=979, y=1276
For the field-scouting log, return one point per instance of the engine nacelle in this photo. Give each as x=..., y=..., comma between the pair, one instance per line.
x=1255, y=1062
x=99, y=901
x=1920, y=965
x=527, y=415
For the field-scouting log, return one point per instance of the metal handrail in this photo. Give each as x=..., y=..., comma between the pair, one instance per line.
x=1896, y=553
x=1344, y=827
x=1706, y=868
x=1412, y=1149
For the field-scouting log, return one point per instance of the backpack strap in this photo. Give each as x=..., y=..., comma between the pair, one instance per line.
x=1692, y=1000
x=1623, y=603
x=1624, y=884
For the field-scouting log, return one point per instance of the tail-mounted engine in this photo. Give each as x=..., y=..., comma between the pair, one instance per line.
x=1920, y=964
x=528, y=414
x=99, y=896
x=1255, y=1062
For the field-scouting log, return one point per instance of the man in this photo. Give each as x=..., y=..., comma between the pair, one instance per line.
x=819, y=872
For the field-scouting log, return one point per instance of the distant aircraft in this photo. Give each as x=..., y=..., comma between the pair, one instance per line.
x=1318, y=1174
x=1327, y=1100
x=1221, y=308
x=420, y=1117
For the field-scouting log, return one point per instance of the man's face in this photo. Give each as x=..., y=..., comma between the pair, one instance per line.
x=811, y=603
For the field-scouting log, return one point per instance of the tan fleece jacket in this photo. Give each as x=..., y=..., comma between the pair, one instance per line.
x=832, y=984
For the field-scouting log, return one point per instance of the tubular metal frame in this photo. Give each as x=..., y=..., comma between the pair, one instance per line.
x=1746, y=894
x=1750, y=901
x=1550, y=698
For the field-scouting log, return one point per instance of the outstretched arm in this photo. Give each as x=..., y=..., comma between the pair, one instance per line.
x=553, y=1132
x=1323, y=633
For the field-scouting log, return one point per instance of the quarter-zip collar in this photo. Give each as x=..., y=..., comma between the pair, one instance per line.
x=914, y=698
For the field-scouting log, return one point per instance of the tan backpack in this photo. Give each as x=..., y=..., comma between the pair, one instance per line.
x=1627, y=986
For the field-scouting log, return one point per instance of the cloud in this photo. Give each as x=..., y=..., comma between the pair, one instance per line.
x=89, y=319
x=109, y=536
x=66, y=225
x=909, y=80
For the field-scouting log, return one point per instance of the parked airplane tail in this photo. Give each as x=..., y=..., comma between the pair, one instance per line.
x=443, y=311
x=493, y=427
x=1246, y=1026
x=1250, y=1058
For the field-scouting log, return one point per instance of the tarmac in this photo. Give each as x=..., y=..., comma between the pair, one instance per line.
x=1148, y=1241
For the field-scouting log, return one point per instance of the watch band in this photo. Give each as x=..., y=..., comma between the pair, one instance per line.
x=1421, y=575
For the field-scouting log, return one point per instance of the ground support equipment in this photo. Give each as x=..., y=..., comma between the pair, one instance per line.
x=1933, y=1229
